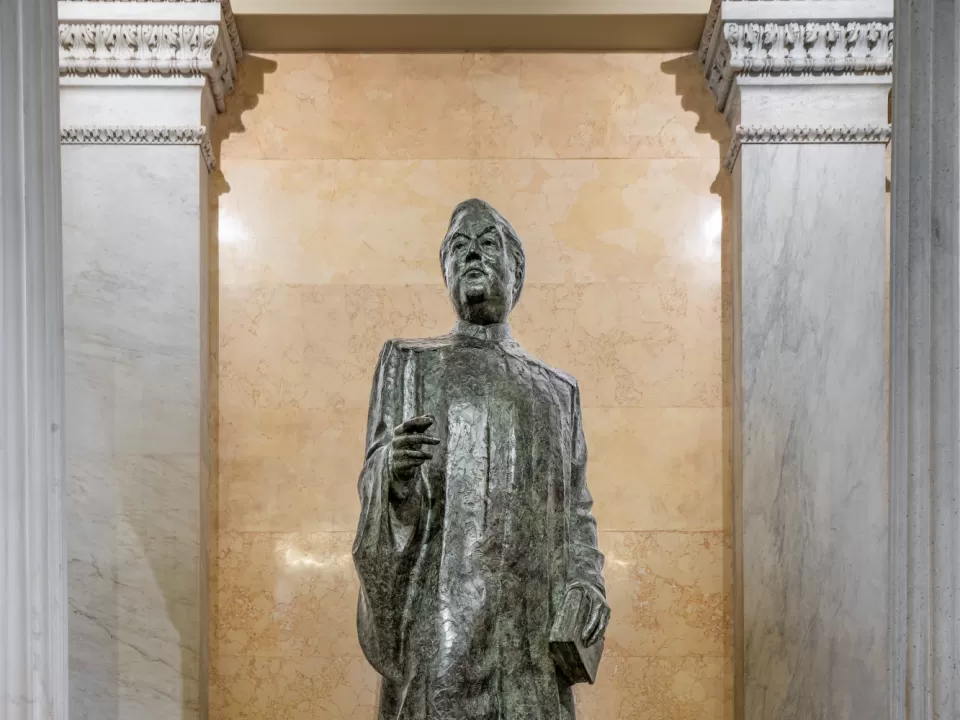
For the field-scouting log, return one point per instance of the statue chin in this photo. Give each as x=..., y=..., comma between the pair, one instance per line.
x=478, y=305
x=476, y=295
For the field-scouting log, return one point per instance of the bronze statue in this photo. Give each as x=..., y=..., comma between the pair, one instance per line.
x=481, y=587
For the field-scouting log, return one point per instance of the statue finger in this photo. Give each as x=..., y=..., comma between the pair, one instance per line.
x=414, y=440
x=417, y=424
x=601, y=627
x=593, y=622
x=412, y=455
x=405, y=467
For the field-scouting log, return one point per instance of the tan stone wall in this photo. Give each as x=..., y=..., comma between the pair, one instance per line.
x=338, y=174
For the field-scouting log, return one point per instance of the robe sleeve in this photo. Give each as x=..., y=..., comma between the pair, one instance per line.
x=586, y=567
x=385, y=549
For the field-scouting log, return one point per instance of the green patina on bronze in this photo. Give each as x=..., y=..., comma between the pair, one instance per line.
x=482, y=592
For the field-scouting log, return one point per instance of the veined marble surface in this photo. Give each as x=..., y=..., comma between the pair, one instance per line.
x=135, y=373
x=814, y=487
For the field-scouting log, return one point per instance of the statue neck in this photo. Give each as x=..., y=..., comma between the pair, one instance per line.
x=498, y=332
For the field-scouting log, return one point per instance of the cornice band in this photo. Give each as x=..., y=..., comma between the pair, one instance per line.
x=824, y=134
x=141, y=135
x=150, y=47
x=791, y=48
x=813, y=47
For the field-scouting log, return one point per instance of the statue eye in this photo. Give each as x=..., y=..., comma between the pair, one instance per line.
x=488, y=242
x=458, y=245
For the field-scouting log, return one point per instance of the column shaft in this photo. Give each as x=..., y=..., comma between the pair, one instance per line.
x=925, y=364
x=812, y=481
x=33, y=629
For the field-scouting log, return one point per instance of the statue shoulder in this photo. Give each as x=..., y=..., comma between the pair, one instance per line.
x=566, y=380
x=414, y=344
x=561, y=378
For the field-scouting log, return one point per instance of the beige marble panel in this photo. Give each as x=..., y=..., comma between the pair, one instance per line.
x=666, y=593
x=473, y=105
x=363, y=105
x=252, y=688
x=307, y=485
x=294, y=594
x=623, y=220
x=629, y=345
x=286, y=595
x=315, y=346
x=656, y=468
x=657, y=688
x=338, y=176
x=573, y=105
x=284, y=688
x=382, y=222
x=287, y=601
x=295, y=469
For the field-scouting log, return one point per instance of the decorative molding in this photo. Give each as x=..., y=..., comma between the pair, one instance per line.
x=154, y=47
x=141, y=135
x=790, y=47
x=806, y=48
x=231, y=24
x=228, y=18
x=144, y=49
x=784, y=135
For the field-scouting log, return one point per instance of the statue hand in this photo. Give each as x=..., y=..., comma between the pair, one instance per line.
x=594, y=612
x=407, y=453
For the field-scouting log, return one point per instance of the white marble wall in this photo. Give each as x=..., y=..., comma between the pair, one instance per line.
x=805, y=86
x=812, y=482
x=135, y=367
x=135, y=169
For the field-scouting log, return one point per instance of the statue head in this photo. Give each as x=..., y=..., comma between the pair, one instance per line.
x=483, y=263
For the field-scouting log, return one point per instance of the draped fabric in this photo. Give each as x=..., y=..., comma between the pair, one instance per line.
x=461, y=580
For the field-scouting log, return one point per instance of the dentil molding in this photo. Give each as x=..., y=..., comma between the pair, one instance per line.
x=151, y=38
x=784, y=135
x=858, y=42
x=141, y=135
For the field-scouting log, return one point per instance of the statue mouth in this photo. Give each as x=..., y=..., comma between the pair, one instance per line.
x=474, y=272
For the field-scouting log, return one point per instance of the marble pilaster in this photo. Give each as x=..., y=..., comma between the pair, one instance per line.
x=805, y=86
x=33, y=581
x=140, y=83
x=925, y=364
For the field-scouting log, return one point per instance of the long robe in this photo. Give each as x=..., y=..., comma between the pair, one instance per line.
x=461, y=580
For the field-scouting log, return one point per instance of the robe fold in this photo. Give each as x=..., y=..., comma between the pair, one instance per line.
x=461, y=580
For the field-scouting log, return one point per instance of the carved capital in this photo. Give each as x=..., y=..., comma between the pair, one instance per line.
x=835, y=39
x=154, y=39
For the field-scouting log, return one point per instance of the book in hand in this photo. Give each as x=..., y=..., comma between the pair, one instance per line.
x=577, y=662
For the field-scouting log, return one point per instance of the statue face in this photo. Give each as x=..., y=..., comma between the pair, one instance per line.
x=479, y=270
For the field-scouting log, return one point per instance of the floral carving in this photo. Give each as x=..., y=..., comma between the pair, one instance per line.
x=141, y=135
x=802, y=48
x=149, y=48
x=786, y=135
x=790, y=47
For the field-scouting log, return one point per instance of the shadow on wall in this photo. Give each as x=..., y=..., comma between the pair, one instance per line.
x=246, y=95
x=690, y=82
